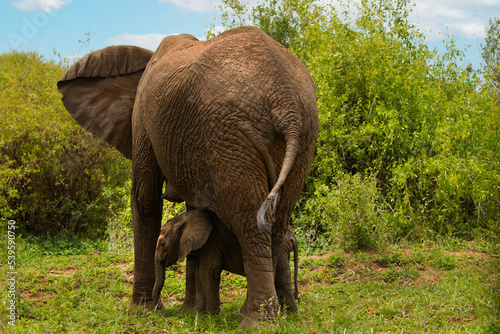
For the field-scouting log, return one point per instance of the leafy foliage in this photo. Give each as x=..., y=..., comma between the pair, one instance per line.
x=54, y=176
x=491, y=52
x=353, y=204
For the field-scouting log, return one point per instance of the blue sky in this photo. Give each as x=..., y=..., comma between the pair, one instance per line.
x=45, y=25
x=42, y=25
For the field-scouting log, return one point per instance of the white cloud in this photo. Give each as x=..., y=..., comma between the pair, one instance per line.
x=148, y=41
x=460, y=18
x=472, y=30
x=198, y=6
x=41, y=5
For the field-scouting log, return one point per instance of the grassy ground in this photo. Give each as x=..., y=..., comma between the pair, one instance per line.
x=420, y=288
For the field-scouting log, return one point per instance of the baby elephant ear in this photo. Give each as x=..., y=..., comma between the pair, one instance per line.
x=99, y=92
x=195, y=233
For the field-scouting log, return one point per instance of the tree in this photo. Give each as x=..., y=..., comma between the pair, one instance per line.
x=491, y=52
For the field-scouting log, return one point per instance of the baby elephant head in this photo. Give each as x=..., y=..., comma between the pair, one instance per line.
x=178, y=237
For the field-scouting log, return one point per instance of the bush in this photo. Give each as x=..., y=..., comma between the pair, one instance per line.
x=391, y=107
x=54, y=176
x=349, y=213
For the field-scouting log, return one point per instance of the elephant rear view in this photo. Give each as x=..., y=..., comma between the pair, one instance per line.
x=231, y=123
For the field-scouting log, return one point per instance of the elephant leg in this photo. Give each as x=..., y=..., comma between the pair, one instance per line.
x=146, y=203
x=200, y=298
x=190, y=295
x=282, y=279
x=257, y=258
x=210, y=282
x=189, y=303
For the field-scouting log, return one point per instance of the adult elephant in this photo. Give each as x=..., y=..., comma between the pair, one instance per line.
x=231, y=123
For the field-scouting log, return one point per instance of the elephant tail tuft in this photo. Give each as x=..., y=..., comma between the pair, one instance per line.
x=292, y=136
x=269, y=204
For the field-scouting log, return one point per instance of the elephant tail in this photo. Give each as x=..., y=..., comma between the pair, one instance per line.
x=271, y=202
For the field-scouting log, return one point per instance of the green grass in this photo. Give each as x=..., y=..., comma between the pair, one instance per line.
x=85, y=288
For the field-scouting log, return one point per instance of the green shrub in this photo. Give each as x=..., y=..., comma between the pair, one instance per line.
x=394, y=258
x=349, y=213
x=390, y=106
x=336, y=260
x=54, y=176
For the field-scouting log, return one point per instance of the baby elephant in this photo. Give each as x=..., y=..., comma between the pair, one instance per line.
x=211, y=247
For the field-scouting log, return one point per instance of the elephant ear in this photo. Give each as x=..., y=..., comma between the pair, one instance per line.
x=195, y=233
x=99, y=92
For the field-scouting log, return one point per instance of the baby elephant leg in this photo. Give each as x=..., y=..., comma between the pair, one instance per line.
x=189, y=303
x=209, y=282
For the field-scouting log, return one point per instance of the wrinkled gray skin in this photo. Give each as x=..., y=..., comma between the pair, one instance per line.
x=231, y=123
x=170, y=194
x=211, y=247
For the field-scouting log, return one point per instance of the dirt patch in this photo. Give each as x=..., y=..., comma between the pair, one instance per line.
x=459, y=320
x=478, y=255
x=319, y=257
x=428, y=275
x=232, y=294
x=62, y=273
x=38, y=297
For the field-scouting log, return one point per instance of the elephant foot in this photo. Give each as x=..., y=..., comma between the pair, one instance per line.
x=159, y=306
x=214, y=310
x=291, y=307
x=248, y=324
x=242, y=313
x=251, y=320
x=199, y=308
x=186, y=307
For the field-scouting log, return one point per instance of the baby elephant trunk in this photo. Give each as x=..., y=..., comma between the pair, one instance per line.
x=159, y=281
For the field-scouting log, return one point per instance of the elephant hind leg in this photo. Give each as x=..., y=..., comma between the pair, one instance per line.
x=262, y=301
x=282, y=280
